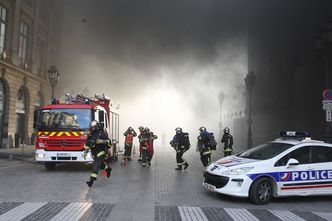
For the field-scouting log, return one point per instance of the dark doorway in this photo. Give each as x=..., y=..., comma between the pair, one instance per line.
x=2, y=113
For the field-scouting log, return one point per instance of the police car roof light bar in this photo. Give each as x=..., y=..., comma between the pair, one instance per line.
x=294, y=134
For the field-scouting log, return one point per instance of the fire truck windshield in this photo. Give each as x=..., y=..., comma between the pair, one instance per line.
x=64, y=119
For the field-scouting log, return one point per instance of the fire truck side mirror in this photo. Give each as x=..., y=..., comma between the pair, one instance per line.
x=101, y=118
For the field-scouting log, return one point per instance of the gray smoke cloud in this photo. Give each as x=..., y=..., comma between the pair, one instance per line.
x=164, y=62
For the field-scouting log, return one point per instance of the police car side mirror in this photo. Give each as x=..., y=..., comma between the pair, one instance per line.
x=292, y=162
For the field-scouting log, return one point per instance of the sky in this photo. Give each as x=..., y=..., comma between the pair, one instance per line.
x=164, y=62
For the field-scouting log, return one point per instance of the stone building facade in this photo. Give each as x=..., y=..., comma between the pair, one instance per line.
x=29, y=42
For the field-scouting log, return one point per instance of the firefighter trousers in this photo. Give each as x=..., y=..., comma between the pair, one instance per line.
x=127, y=153
x=205, y=156
x=100, y=162
x=227, y=151
x=146, y=157
x=179, y=160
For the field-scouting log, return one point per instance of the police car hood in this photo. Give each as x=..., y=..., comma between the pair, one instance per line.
x=232, y=162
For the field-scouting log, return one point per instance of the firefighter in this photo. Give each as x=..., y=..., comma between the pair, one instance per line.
x=129, y=136
x=181, y=144
x=150, y=150
x=146, y=146
x=140, y=136
x=203, y=146
x=98, y=142
x=227, y=139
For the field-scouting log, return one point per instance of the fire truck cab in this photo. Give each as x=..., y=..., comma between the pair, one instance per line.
x=62, y=128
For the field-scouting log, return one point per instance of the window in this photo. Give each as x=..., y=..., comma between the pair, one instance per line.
x=322, y=154
x=3, y=24
x=265, y=151
x=302, y=154
x=28, y=2
x=23, y=44
x=44, y=10
x=39, y=56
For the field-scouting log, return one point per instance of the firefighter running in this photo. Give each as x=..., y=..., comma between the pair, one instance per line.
x=129, y=136
x=205, y=142
x=98, y=142
x=227, y=139
x=181, y=144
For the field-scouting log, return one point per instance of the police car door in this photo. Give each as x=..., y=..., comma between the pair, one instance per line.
x=323, y=163
x=296, y=179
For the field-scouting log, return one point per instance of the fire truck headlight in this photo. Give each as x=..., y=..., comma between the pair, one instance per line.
x=88, y=156
x=40, y=155
x=41, y=145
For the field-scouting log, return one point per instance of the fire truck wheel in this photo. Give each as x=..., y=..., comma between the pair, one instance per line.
x=49, y=166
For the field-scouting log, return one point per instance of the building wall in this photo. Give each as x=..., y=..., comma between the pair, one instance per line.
x=289, y=72
x=29, y=77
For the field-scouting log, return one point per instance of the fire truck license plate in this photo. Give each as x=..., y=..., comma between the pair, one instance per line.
x=209, y=187
x=63, y=154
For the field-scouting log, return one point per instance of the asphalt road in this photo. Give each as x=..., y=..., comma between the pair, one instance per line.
x=30, y=192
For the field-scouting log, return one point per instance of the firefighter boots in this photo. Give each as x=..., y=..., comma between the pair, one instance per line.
x=90, y=182
x=178, y=168
x=109, y=170
x=186, y=165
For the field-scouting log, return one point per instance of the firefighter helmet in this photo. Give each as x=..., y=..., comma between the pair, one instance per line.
x=202, y=129
x=178, y=130
x=226, y=130
x=94, y=125
x=141, y=128
x=147, y=130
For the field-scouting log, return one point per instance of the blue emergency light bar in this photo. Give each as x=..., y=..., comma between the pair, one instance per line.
x=54, y=101
x=295, y=134
x=86, y=101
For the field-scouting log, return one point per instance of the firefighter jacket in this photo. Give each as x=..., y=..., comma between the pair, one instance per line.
x=203, y=142
x=180, y=142
x=227, y=139
x=144, y=140
x=129, y=137
x=97, y=149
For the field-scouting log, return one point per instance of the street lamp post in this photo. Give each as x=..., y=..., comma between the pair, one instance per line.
x=53, y=77
x=221, y=98
x=323, y=44
x=250, y=83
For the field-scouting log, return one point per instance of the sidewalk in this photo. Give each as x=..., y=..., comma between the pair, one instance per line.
x=24, y=152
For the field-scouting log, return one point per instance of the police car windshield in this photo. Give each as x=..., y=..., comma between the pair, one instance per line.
x=64, y=119
x=265, y=151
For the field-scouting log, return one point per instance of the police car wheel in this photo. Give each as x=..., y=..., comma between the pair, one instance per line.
x=261, y=191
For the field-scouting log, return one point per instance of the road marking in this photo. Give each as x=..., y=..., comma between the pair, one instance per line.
x=327, y=216
x=72, y=212
x=286, y=215
x=192, y=214
x=21, y=211
x=241, y=214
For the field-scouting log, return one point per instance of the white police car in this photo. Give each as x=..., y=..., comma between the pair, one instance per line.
x=293, y=165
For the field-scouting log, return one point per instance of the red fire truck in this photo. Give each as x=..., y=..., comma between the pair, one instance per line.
x=62, y=128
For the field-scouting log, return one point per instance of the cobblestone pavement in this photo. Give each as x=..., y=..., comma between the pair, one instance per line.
x=30, y=192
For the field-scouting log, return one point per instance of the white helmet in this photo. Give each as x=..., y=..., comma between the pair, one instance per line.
x=94, y=125
x=202, y=129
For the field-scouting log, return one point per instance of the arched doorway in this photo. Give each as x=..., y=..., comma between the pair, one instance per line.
x=3, y=134
x=21, y=116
